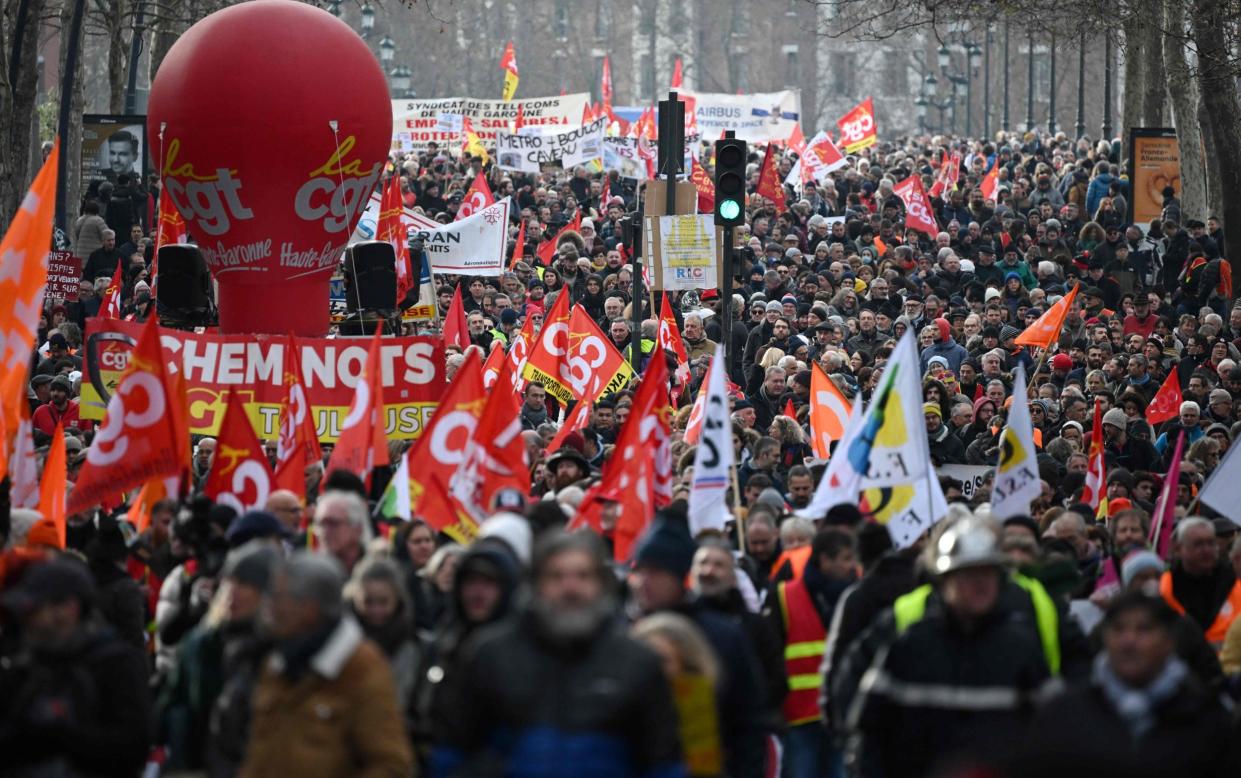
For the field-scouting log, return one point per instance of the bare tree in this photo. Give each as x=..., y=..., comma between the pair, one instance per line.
x=19, y=40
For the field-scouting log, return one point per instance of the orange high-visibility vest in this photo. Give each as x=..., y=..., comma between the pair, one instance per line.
x=797, y=558
x=804, y=644
x=1227, y=612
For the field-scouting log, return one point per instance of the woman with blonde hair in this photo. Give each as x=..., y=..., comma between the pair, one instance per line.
x=693, y=673
x=793, y=447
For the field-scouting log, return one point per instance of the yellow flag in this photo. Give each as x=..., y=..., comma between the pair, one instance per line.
x=508, y=63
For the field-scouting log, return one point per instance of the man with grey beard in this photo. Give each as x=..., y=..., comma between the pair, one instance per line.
x=561, y=690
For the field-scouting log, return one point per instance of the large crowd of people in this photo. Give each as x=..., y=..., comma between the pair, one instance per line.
x=309, y=637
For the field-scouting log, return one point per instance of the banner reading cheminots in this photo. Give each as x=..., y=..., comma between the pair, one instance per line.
x=252, y=366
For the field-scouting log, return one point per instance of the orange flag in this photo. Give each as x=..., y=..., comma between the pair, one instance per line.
x=23, y=278
x=790, y=410
x=52, y=487
x=139, y=514
x=1045, y=331
x=298, y=444
x=362, y=444
x=456, y=327
x=829, y=411
x=240, y=476
x=991, y=182
x=143, y=434
x=1167, y=401
x=769, y=185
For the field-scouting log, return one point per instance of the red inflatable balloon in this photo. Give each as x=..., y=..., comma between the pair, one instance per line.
x=273, y=121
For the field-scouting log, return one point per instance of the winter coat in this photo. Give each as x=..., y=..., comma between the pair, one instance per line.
x=88, y=234
x=338, y=719
x=76, y=712
x=950, y=350
x=1080, y=733
x=531, y=704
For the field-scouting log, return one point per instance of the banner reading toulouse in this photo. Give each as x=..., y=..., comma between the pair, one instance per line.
x=253, y=366
x=761, y=117
x=526, y=152
x=419, y=120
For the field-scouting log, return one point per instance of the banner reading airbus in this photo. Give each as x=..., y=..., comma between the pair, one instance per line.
x=473, y=246
x=415, y=123
x=761, y=117
x=526, y=152
x=252, y=366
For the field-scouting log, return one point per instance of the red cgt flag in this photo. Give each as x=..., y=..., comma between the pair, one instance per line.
x=298, y=444
x=456, y=327
x=477, y=198
x=391, y=231
x=769, y=185
x=546, y=252
x=704, y=186
x=143, y=435
x=918, y=213
x=442, y=445
x=1167, y=402
x=240, y=476
x=991, y=182
x=1096, y=466
x=362, y=444
x=857, y=128
x=110, y=306
x=495, y=456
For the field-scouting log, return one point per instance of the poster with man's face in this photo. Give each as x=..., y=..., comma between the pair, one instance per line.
x=113, y=146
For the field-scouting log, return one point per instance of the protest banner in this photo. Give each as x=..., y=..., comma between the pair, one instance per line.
x=761, y=117
x=369, y=220
x=473, y=246
x=527, y=152
x=624, y=155
x=252, y=365
x=688, y=249
x=63, y=273
x=419, y=120
x=972, y=477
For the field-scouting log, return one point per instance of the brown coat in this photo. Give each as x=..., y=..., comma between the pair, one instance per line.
x=339, y=720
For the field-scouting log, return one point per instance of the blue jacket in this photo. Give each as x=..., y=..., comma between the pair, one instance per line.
x=1097, y=191
x=950, y=350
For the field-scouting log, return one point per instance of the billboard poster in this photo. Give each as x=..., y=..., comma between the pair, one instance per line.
x=113, y=145
x=1156, y=161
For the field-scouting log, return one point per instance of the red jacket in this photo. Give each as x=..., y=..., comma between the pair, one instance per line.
x=47, y=415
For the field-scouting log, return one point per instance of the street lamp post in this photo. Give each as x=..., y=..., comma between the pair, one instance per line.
x=368, y=20
x=986, y=86
x=1004, y=119
x=1107, y=86
x=921, y=104
x=1051, y=92
x=401, y=76
x=387, y=50
x=972, y=57
x=1079, y=126
x=1030, y=82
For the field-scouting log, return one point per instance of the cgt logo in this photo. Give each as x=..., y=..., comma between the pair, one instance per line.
x=212, y=201
x=337, y=191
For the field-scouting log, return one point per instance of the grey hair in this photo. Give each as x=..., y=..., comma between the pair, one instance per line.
x=316, y=578
x=354, y=507
x=1187, y=524
x=796, y=528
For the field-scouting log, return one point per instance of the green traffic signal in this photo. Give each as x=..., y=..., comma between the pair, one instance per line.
x=730, y=209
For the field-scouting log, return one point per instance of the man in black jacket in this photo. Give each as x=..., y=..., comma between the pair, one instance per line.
x=73, y=699
x=560, y=688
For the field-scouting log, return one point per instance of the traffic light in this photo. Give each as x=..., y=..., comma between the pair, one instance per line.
x=730, y=160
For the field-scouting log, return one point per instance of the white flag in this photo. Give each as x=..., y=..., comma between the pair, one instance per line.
x=24, y=468
x=1222, y=490
x=713, y=461
x=395, y=502
x=1016, y=477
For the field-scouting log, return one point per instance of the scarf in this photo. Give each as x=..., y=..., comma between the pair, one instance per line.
x=1136, y=707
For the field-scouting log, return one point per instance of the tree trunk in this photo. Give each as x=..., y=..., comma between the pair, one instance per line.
x=1219, y=95
x=71, y=146
x=1214, y=184
x=1184, y=98
x=1131, y=103
x=1154, y=75
x=17, y=112
x=165, y=28
x=118, y=55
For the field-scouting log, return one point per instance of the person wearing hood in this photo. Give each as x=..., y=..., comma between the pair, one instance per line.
x=592, y=296
x=944, y=346
x=74, y=701
x=560, y=690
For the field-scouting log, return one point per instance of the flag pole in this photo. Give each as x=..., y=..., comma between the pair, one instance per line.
x=1042, y=360
x=737, y=509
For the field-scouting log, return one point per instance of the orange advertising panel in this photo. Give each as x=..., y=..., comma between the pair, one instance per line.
x=1156, y=164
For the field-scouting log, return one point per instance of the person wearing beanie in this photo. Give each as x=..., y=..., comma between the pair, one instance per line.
x=946, y=448
x=1122, y=449
x=662, y=559
x=73, y=694
x=944, y=346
